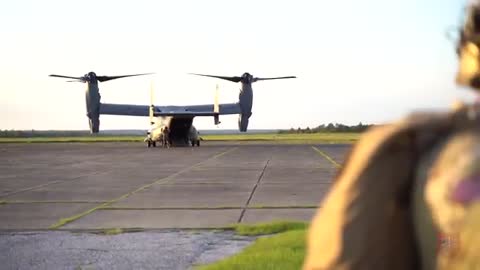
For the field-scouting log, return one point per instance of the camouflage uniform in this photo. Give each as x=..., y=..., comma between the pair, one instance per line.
x=392, y=201
x=408, y=196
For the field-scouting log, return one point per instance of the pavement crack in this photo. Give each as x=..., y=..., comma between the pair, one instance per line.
x=91, y=249
x=245, y=207
x=97, y=250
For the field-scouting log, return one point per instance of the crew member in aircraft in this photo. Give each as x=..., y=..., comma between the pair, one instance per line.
x=166, y=137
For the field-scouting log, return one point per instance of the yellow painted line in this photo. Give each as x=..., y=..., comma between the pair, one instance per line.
x=163, y=180
x=323, y=154
x=214, y=157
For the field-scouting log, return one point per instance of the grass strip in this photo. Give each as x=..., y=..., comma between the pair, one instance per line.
x=212, y=207
x=333, y=137
x=85, y=139
x=285, y=250
x=173, y=208
x=115, y=231
x=283, y=207
x=112, y=231
x=268, y=228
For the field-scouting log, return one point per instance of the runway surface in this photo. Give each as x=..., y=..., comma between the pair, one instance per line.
x=89, y=186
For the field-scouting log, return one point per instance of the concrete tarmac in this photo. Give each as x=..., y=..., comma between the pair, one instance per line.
x=156, y=250
x=89, y=186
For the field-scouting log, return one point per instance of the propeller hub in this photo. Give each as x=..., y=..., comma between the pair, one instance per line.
x=247, y=78
x=90, y=77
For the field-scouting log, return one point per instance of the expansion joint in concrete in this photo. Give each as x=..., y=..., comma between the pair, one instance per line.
x=253, y=192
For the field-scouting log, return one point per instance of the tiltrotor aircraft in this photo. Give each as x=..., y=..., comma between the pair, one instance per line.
x=178, y=119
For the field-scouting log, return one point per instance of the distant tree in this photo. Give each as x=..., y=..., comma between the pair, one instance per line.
x=331, y=127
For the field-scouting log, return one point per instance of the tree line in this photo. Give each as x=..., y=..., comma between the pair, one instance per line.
x=331, y=127
x=42, y=133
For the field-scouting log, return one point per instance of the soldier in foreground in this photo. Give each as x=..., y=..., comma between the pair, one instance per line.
x=408, y=196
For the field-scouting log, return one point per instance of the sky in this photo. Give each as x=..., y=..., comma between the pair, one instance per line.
x=369, y=61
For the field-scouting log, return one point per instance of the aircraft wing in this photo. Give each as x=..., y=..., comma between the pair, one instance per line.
x=187, y=111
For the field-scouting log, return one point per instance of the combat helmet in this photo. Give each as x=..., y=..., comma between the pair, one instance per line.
x=468, y=48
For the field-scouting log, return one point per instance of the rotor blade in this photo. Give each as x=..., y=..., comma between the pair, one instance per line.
x=108, y=78
x=67, y=77
x=232, y=79
x=77, y=81
x=275, y=78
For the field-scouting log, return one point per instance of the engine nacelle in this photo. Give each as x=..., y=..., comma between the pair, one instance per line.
x=94, y=123
x=243, y=121
x=245, y=100
x=92, y=98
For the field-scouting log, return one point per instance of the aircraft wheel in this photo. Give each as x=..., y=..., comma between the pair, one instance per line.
x=193, y=143
x=198, y=143
x=154, y=144
x=148, y=144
